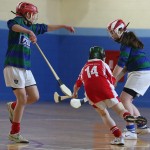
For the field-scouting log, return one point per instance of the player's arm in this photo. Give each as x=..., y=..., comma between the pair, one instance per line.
x=109, y=74
x=77, y=86
x=122, y=73
x=18, y=28
x=56, y=27
x=75, y=91
x=117, y=70
x=122, y=61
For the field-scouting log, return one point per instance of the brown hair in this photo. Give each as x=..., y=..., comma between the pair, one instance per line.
x=130, y=39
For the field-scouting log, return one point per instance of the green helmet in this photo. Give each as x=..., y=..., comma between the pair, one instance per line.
x=96, y=52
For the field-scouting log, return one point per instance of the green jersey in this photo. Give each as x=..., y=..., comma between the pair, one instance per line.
x=19, y=53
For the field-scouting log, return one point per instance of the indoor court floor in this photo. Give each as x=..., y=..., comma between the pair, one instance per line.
x=50, y=126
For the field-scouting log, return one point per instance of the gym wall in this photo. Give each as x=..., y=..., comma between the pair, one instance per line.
x=68, y=52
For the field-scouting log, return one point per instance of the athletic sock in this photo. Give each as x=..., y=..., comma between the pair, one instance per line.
x=131, y=128
x=126, y=114
x=15, y=128
x=115, y=131
x=13, y=105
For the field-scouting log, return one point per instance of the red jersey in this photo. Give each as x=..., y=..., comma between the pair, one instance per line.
x=98, y=81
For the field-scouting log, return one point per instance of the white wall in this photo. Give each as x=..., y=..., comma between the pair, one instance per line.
x=86, y=13
x=97, y=13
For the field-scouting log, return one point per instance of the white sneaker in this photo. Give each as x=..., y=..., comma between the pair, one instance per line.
x=17, y=138
x=129, y=135
x=118, y=141
x=10, y=111
x=142, y=131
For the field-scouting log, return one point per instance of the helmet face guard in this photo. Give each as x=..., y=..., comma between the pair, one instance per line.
x=28, y=11
x=116, y=28
x=32, y=17
x=96, y=52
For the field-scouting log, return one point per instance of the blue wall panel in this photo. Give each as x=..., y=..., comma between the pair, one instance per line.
x=45, y=79
x=67, y=54
x=74, y=53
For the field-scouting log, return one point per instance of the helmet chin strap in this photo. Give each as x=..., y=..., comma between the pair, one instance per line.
x=29, y=23
x=33, y=18
x=120, y=39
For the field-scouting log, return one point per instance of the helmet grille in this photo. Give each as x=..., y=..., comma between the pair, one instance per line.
x=96, y=52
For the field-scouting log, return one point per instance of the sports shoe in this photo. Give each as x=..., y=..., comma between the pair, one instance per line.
x=142, y=131
x=10, y=111
x=117, y=141
x=129, y=135
x=138, y=120
x=17, y=138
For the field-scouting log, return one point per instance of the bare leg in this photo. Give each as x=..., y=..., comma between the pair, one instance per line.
x=21, y=102
x=135, y=111
x=32, y=94
x=108, y=121
x=25, y=96
x=127, y=99
x=120, y=110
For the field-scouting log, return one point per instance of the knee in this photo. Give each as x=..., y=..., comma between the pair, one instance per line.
x=22, y=101
x=34, y=98
x=103, y=113
x=123, y=101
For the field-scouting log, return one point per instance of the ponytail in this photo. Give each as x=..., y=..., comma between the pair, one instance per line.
x=130, y=39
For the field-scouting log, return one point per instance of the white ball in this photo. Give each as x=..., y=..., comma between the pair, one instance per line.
x=75, y=103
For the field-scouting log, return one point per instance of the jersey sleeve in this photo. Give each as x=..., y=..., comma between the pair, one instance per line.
x=11, y=22
x=36, y=28
x=124, y=55
x=39, y=28
x=109, y=74
x=79, y=80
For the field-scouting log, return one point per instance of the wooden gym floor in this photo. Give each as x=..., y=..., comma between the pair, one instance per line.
x=50, y=126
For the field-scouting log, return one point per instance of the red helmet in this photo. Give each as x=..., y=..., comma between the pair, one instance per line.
x=24, y=7
x=116, y=26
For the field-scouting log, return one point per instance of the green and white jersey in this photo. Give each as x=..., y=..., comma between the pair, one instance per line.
x=19, y=53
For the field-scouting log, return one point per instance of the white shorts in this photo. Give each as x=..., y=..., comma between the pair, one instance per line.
x=108, y=103
x=139, y=81
x=18, y=77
